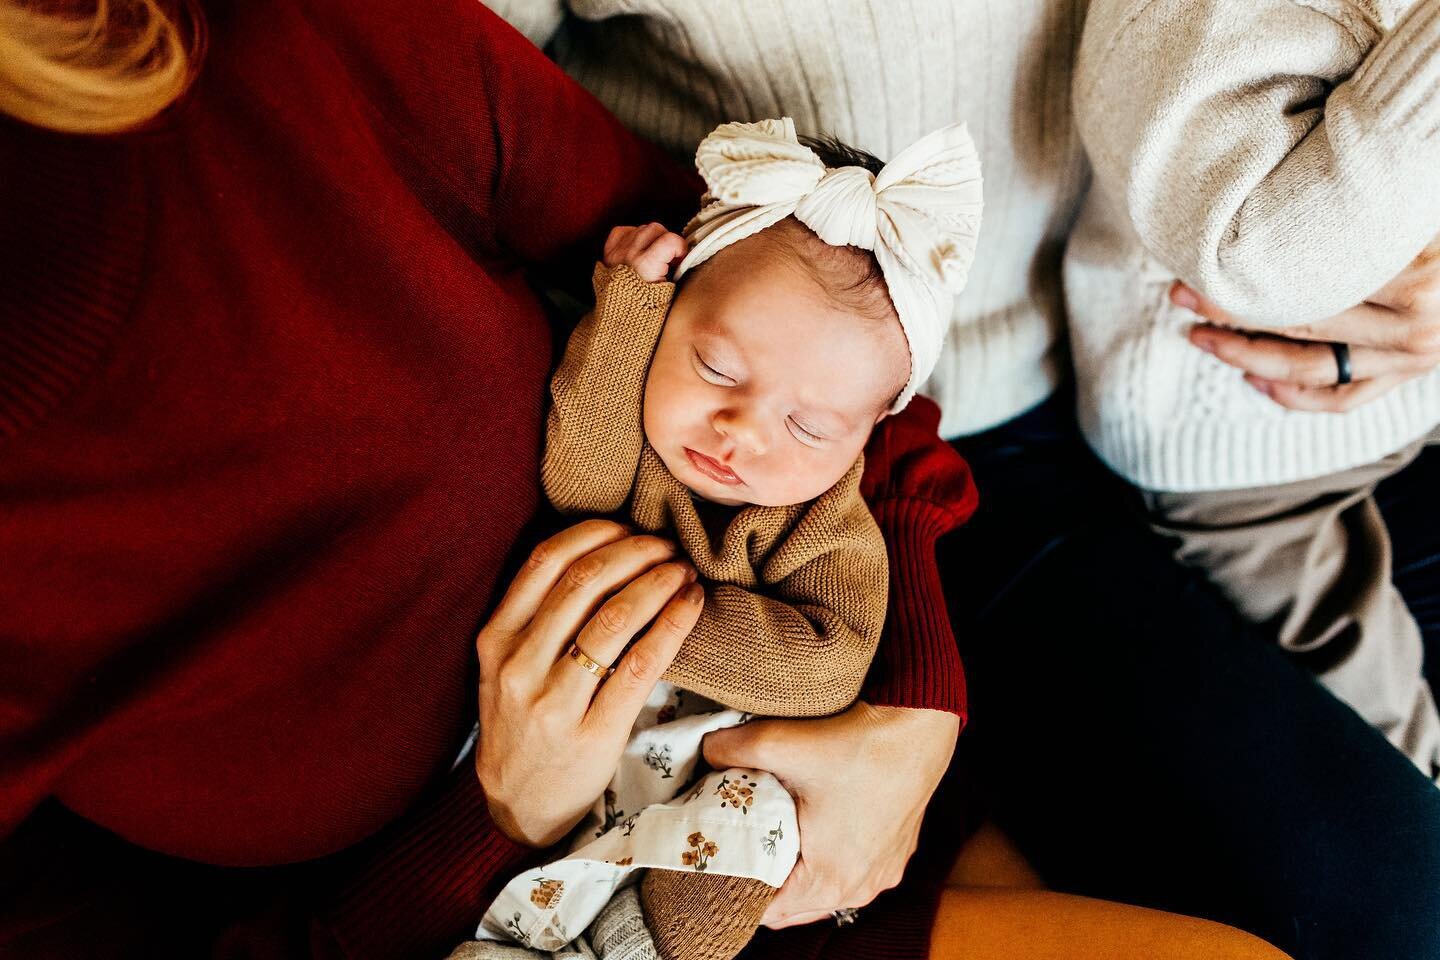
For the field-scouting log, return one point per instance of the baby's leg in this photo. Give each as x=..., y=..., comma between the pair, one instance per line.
x=702, y=916
x=1312, y=559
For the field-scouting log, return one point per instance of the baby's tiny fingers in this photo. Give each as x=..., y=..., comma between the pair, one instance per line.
x=654, y=264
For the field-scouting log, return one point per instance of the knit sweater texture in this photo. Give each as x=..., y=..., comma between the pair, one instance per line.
x=795, y=594
x=1283, y=158
x=272, y=387
x=878, y=74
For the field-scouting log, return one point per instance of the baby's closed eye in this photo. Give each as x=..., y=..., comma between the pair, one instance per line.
x=710, y=373
x=804, y=434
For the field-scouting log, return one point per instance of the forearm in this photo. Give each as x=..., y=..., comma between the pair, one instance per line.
x=1261, y=171
x=918, y=488
x=917, y=663
x=424, y=889
x=596, y=430
x=769, y=657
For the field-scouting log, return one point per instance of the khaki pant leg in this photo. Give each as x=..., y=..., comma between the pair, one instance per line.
x=1313, y=560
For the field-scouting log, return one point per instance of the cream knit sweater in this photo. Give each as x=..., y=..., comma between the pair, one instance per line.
x=1282, y=156
x=878, y=74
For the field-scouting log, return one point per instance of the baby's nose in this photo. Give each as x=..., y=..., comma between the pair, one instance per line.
x=743, y=430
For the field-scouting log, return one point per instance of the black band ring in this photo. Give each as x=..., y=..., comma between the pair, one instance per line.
x=1343, y=372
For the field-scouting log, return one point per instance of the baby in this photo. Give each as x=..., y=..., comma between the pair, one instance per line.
x=730, y=413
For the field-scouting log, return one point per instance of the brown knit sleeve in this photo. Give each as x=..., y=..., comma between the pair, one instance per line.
x=800, y=643
x=596, y=431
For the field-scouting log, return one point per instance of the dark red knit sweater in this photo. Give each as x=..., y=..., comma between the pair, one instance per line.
x=271, y=386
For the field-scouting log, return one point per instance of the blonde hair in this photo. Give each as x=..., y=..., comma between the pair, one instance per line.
x=103, y=72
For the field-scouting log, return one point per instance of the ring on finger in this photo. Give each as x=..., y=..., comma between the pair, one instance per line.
x=845, y=916
x=586, y=663
x=1344, y=373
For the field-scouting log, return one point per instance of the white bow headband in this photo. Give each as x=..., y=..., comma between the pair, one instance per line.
x=920, y=215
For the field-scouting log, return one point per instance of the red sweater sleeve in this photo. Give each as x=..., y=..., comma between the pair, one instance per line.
x=919, y=488
x=424, y=889
x=522, y=158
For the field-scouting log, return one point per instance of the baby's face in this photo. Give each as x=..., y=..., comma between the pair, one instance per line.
x=762, y=389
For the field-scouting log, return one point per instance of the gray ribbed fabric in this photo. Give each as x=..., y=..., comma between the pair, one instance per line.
x=878, y=74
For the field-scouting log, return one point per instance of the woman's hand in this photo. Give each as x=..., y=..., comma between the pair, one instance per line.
x=650, y=250
x=1393, y=337
x=551, y=732
x=861, y=780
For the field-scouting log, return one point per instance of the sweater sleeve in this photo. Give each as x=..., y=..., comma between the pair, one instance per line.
x=520, y=162
x=423, y=888
x=1281, y=159
x=801, y=647
x=919, y=488
x=596, y=429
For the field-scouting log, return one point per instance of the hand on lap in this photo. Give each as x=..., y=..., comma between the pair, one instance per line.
x=1392, y=337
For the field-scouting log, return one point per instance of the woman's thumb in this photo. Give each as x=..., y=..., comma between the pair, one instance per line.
x=748, y=745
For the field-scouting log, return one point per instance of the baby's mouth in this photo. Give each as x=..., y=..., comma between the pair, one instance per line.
x=713, y=468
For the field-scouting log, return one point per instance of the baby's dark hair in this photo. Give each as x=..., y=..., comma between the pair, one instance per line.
x=850, y=275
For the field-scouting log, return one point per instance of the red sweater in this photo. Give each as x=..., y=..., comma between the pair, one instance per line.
x=271, y=386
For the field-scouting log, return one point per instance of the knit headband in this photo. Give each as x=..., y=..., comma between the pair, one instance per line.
x=920, y=215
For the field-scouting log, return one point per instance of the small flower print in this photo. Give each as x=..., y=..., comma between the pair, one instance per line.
x=547, y=893
x=612, y=816
x=700, y=852
x=515, y=930
x=628, y=824
x=659, y=760
x=772, y=838
x=739, y=794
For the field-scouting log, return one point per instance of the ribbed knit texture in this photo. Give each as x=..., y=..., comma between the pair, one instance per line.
x=451, y=861
x=795, y=595
x=878, y=74
x=1282, y=158
x=698, y=916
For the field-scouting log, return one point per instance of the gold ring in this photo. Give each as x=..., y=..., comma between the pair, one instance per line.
x=588, y=665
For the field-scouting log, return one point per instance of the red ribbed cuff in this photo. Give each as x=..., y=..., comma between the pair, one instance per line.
x=918, y=663
x=427, y=890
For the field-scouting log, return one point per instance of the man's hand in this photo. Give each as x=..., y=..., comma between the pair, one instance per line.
x=1393, y=337
x=650, y=250
x=861, y=780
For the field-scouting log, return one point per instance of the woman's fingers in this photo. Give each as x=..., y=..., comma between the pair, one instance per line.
x=579, y=590
x=607, y=633
x=1298, y=362
x=1340, y=399
x=619, y=699
x=542, y=569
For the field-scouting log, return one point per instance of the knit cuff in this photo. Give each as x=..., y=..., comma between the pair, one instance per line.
x=1399, y=82
x=427, y=889
x=918, y=663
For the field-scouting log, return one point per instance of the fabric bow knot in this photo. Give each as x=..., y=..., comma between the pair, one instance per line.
x=920, y=215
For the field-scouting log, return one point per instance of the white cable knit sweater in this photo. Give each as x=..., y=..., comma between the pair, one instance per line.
x=878, y=74
x=1283, y=157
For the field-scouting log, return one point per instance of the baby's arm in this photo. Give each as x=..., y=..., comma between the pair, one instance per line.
x=1280, y=157
x=802, y=646
x=596, y=429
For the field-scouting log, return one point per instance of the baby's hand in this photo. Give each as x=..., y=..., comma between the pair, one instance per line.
x=649, y=250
